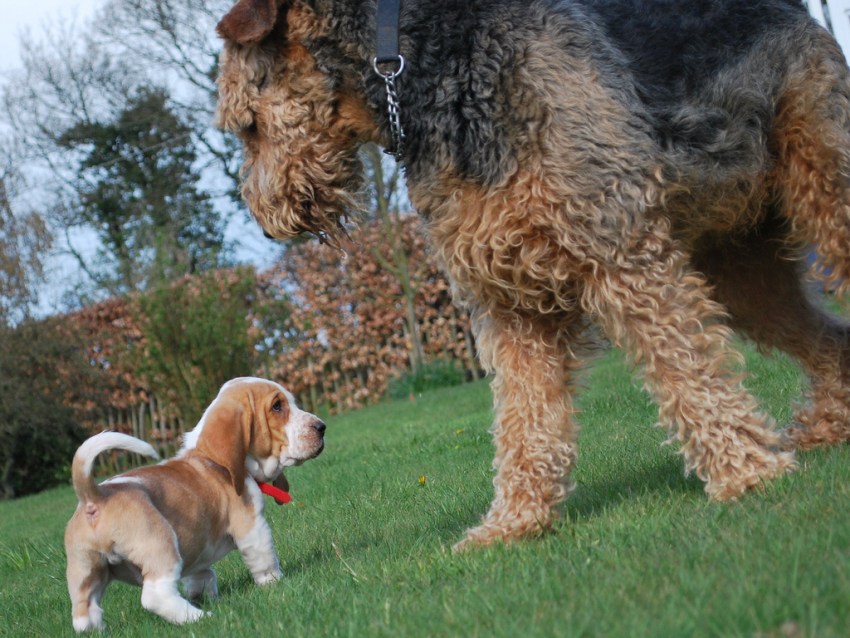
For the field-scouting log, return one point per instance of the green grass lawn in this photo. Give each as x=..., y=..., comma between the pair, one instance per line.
x=365, y=545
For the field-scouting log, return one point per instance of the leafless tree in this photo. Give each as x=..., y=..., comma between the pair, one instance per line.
x=23, y=241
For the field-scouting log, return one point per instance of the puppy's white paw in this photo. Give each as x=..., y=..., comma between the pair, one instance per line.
x=268, y=577
x=84, y=623
x=192, y=614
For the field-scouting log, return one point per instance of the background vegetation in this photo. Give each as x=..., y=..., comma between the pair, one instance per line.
x=365, y=545
x=148, y=363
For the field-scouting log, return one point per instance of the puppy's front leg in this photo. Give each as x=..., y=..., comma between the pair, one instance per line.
x=257, y=549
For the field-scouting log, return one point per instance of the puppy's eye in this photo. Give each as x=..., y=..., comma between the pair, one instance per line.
x=277, y=406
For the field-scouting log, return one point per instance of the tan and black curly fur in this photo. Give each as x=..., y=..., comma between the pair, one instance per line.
x=657, y=168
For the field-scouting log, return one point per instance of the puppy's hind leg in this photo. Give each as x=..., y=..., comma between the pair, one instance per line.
x=201, y=584
x=160, y=595
x=159, y=560
x=87, y=576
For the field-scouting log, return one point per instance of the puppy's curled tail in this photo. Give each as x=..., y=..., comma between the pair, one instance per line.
x=84, y=485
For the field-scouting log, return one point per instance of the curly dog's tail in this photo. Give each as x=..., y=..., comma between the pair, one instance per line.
x=84, y=485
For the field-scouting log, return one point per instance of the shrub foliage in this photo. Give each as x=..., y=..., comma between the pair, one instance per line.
x=46, y=391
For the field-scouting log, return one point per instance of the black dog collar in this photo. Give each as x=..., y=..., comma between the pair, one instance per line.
x=389, y=64
x=387, y=31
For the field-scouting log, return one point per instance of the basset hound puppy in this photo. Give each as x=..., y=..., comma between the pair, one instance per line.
x=160, y=524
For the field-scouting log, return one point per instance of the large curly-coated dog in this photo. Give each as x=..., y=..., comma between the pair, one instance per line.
x=654, y=167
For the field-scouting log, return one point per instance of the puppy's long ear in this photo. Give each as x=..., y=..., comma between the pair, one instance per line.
x=225, y=438
x=249, y=21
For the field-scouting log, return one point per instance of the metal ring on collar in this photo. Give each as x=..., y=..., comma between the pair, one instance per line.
x=390, y=74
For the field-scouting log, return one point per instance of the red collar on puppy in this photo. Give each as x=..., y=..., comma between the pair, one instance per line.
x=279, y=495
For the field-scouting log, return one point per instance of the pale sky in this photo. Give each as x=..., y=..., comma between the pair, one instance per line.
x=20, y=14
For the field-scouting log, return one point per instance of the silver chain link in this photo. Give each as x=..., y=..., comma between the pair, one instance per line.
x=393, y=108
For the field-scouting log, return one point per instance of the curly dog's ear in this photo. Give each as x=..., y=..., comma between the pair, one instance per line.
x=249, y=21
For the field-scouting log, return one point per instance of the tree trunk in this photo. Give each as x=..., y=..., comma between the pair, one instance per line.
x=399, y=263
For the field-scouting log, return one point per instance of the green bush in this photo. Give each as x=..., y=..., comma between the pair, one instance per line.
x=42, y=373
x=439, y=373
x=198, y=335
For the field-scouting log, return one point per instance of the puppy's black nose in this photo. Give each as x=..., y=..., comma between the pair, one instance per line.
x=320, y=426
